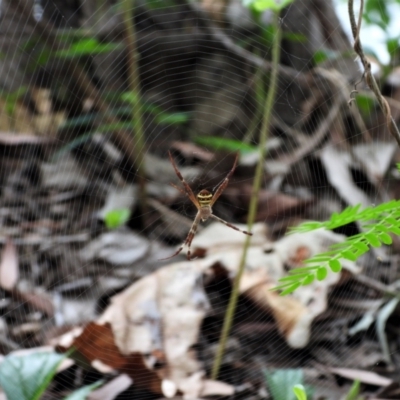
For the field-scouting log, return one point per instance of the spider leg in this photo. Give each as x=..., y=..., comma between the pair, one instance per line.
x=230, y=225
x=187, y=189
x=224, y=183
x=189, y=238
x=178, y=188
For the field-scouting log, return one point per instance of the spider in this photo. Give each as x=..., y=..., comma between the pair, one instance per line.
x=203, y=202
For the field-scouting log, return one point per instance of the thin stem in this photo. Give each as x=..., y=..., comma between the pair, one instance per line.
x=269, y=102
x=137, y=112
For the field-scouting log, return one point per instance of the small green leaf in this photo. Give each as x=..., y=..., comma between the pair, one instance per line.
x=281, y=382
x=290, y=289
x=294, y=277
x=395, y=230
x=300, y=392
x=27, y=377
x=365, y=103
x=321, y=273
x=385, y=238
x=354, y=391
x=87, y=46
x=361, y=246
x=172, y=118
x=130, y=97
x=83, y=392
x=115, y=218
x=262, y=5
x=218, y=143
x=373, y=239
x=335, y=265
x=308, y=280
x=349, y=255
x=300, y=270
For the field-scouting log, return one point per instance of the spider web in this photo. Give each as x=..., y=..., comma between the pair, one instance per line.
x=63, y=170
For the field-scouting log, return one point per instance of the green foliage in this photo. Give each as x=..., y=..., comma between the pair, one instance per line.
x=354, y=391
x=27, y=377
x=377, y=13
x=365, y=104
x=217, y=143
x=287, y=384
x=262, y=5
x=83, y=392
x=115, y=218
x=378, y=223
x=300, y=392
x=87, y=47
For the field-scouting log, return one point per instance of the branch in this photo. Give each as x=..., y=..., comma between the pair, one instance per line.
x=371, y=82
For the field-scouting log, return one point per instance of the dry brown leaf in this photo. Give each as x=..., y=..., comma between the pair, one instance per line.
x=9, y=268
x=38, y=301
x=149, y=330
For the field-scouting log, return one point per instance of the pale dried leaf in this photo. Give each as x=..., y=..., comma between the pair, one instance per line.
x=337, y=166
x=371, y=378
x=9, y=267
x=112, y=389
x=375, y=157
x=119, y=198
x=118, y=247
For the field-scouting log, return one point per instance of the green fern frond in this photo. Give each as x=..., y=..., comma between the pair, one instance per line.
x=377, y=222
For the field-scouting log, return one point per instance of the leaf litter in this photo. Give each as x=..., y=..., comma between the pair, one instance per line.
x=158, y=326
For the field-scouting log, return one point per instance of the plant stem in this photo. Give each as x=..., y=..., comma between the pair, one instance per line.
x=269, y=101
x=137, y=112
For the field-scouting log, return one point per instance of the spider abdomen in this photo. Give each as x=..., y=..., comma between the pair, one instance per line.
x=204, y=198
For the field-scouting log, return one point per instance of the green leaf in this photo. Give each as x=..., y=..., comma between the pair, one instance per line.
x=282, y=381
x=308, y=280
x=262, y=5
x=295, y=277
x=218, y=143
x=365, y=103
x=385, y=238
x=290, y=289
x=395, y=230
x=83, y=392
x=373, y=239
x=115, y=218
x=27, y=377
x=335, y=265
x=300, y=270
x=130, y=97
x=361, y=246
x=321, y=273
x=354, y=391
x=87, y=46
x=300, y=392
x=172, y=118
x=349, y=255
x=392, y=46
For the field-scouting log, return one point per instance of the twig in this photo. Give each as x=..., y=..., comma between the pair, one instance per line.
x=269, y=102
x=137, y=111
x=371, y=82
